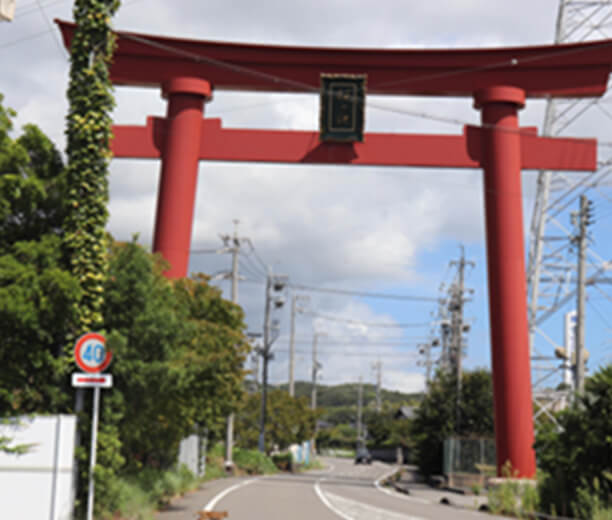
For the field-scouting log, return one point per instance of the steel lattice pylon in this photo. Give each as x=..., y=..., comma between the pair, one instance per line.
x=551, y=263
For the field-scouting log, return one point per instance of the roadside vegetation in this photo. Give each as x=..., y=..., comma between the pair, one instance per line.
x=576, y=457
x=178, y=346
x=141, y=495
x=436, y=419
x=289, y=420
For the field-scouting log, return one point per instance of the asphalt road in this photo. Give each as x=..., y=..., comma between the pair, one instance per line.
x=343, y=490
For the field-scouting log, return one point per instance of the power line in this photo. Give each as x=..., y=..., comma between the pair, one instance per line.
x=254, y=265
x=248, y=270
x=600, y=314
x=410, y=344
x=265, y=267
x=26, y=38
x=208, y=251
x=32, y=7
x=364, y=294
x=407, y=356
x=368, y=324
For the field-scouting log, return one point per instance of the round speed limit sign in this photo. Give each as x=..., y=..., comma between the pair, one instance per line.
x=90, y=353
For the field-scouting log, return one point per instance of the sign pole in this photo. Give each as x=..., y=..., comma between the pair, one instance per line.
x=92, y=455
x=91, y=356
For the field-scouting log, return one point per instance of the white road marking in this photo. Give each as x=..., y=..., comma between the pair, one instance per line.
x=354, y=510
x=216, y=498
x=327, y=503
x=395, y=494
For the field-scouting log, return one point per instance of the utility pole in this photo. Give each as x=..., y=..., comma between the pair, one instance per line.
x=316, y=366
x=257, y=369
x=378, y=367
x=584, y=216
x=294, y=310
x=270, y=333
x=254, y=360
x=235, y=250
x=265, y=353
x=457, y=300
x=445, y=329
x=425, y=349
x=359, y=406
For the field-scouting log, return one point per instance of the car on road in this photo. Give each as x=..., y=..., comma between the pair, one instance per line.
x=363, y=456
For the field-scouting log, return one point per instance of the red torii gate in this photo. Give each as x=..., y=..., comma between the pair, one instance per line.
x=499, y=80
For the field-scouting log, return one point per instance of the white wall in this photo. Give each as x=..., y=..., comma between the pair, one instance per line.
x=38, y=485
x=189, y=453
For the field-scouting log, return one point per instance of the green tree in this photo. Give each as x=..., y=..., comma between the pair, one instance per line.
x=289, y=420
x=36, y=290
x=179, y=351
x=576, y=456
x=387, y=431
x=380, y=427
x=341, y=436
x=436, y=417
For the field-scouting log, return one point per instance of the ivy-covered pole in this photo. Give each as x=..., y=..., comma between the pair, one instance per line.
x=88, y=153
x=88, y=134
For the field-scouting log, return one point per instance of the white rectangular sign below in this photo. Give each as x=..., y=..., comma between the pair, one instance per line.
x=92, y=380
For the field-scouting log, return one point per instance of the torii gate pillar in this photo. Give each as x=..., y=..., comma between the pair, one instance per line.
x=501, y=145
x=179, y=171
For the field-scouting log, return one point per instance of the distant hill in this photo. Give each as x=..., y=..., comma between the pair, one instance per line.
x=332, y=396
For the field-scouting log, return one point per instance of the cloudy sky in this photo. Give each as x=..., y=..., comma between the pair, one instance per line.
x=359, y=229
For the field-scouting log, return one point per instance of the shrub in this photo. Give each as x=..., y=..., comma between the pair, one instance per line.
x=283, y=461
x=136, y=497
x=253, y=462
x=576, y=457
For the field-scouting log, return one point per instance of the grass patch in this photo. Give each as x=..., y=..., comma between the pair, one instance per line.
x=137, y=497
x=312, y=464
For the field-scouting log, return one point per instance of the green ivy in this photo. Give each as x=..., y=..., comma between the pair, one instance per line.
x=88, y=152
x=88, y=132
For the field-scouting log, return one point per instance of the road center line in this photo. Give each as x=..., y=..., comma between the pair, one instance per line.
x=225, y=492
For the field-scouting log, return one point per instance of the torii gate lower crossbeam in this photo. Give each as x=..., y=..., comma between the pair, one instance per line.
x=499, y=80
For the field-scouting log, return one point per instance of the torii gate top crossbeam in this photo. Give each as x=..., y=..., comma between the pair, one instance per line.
x=569, y=70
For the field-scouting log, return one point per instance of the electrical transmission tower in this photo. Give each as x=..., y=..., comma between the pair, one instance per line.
x=551, y=272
